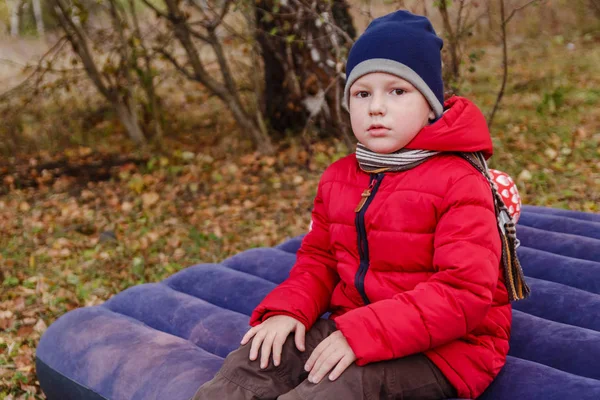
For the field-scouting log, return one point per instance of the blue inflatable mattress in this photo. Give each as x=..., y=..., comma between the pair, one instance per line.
x=163, y=340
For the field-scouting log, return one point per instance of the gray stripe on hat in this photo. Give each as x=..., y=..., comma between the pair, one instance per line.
x=394, y=68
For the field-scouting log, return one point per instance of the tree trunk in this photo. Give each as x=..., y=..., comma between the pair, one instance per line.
x=146, y=77
x=39, y=20
x=125, y=106
x=129, y=120
x=490, y=17
x=503, y=21
x=301, y=50
x=260, y=138
x=452, y=69
x=226, y=91
x=14, y=7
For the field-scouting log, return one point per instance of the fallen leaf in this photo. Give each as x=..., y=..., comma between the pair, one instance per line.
x=178, y=254
x=22, y=361
x=550, y=153
x=149, y=199
x=24, y=331
x=27, y=388
x=19, y=304
x=40, y=327
x=126, y=206
x=525, y=175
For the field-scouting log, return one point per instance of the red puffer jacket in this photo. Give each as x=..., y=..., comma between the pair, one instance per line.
x=417, y=268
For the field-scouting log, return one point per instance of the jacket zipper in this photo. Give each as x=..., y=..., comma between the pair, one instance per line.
x=363, y=244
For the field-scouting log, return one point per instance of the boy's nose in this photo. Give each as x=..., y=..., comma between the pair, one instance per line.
x=376, y=105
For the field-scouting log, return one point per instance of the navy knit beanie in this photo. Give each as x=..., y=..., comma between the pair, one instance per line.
x=401, y=44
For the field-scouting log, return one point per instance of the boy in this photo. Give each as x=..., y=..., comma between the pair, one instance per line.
x=405, y=250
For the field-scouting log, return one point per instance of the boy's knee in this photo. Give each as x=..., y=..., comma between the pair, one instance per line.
x=349, y=385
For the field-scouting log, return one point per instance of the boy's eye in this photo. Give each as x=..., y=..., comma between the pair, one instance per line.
x=398, y=92
x=362, y=94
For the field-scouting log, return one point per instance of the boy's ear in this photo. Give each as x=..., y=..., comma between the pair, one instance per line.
x=431, y=115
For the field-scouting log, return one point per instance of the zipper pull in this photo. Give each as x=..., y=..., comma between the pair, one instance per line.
x=364, y=196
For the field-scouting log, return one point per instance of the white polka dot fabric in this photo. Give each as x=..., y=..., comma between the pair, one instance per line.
x=508, y=190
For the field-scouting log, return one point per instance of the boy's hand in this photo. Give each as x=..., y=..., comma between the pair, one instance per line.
x=334, y=351
x=271, y=334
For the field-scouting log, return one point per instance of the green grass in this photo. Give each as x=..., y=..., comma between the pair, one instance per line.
x=549, y=119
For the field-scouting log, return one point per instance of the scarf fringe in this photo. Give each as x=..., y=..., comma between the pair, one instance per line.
x=513, y=272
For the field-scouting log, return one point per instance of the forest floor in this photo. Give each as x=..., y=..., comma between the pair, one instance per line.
x=80, y=225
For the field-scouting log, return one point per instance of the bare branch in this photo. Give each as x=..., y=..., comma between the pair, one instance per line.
x=206, y=22
x=176, y=64
x=183, y=34
x=255, y=73
x=69, y=22
x=126, y=61
x=148, y=82
x=512, y=14
x=459, y=16
x=77, y=39
x=470, y=26
x=56, y=49
x=223, y=64
x=468, y=14
x=505, y=21
x=339, y=30
x=124, y=106
x=286, y=39
x=46, y=69
x=229, y=29
x=197, y=70
x=219, y=18
x=201, y=9
x=123, y=48
x=446, y=18
x=156, y=10
x=453, y=43
x=504, y=65
x=200, y=36
x=346, y=136
x=293, y=83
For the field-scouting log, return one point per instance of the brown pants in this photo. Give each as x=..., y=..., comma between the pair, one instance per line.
x=410, y=378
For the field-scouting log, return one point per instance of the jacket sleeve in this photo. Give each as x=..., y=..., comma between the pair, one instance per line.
x=454, y=300
x=306, y=294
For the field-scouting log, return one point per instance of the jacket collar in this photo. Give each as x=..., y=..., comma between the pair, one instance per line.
x=462, y=128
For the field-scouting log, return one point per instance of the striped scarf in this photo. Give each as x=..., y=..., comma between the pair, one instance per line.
x=405, y=159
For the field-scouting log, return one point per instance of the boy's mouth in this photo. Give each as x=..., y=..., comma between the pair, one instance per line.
x=377, y=126
x=377, y=129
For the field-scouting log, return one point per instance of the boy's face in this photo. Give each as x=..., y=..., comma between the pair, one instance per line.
x=386, y=112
